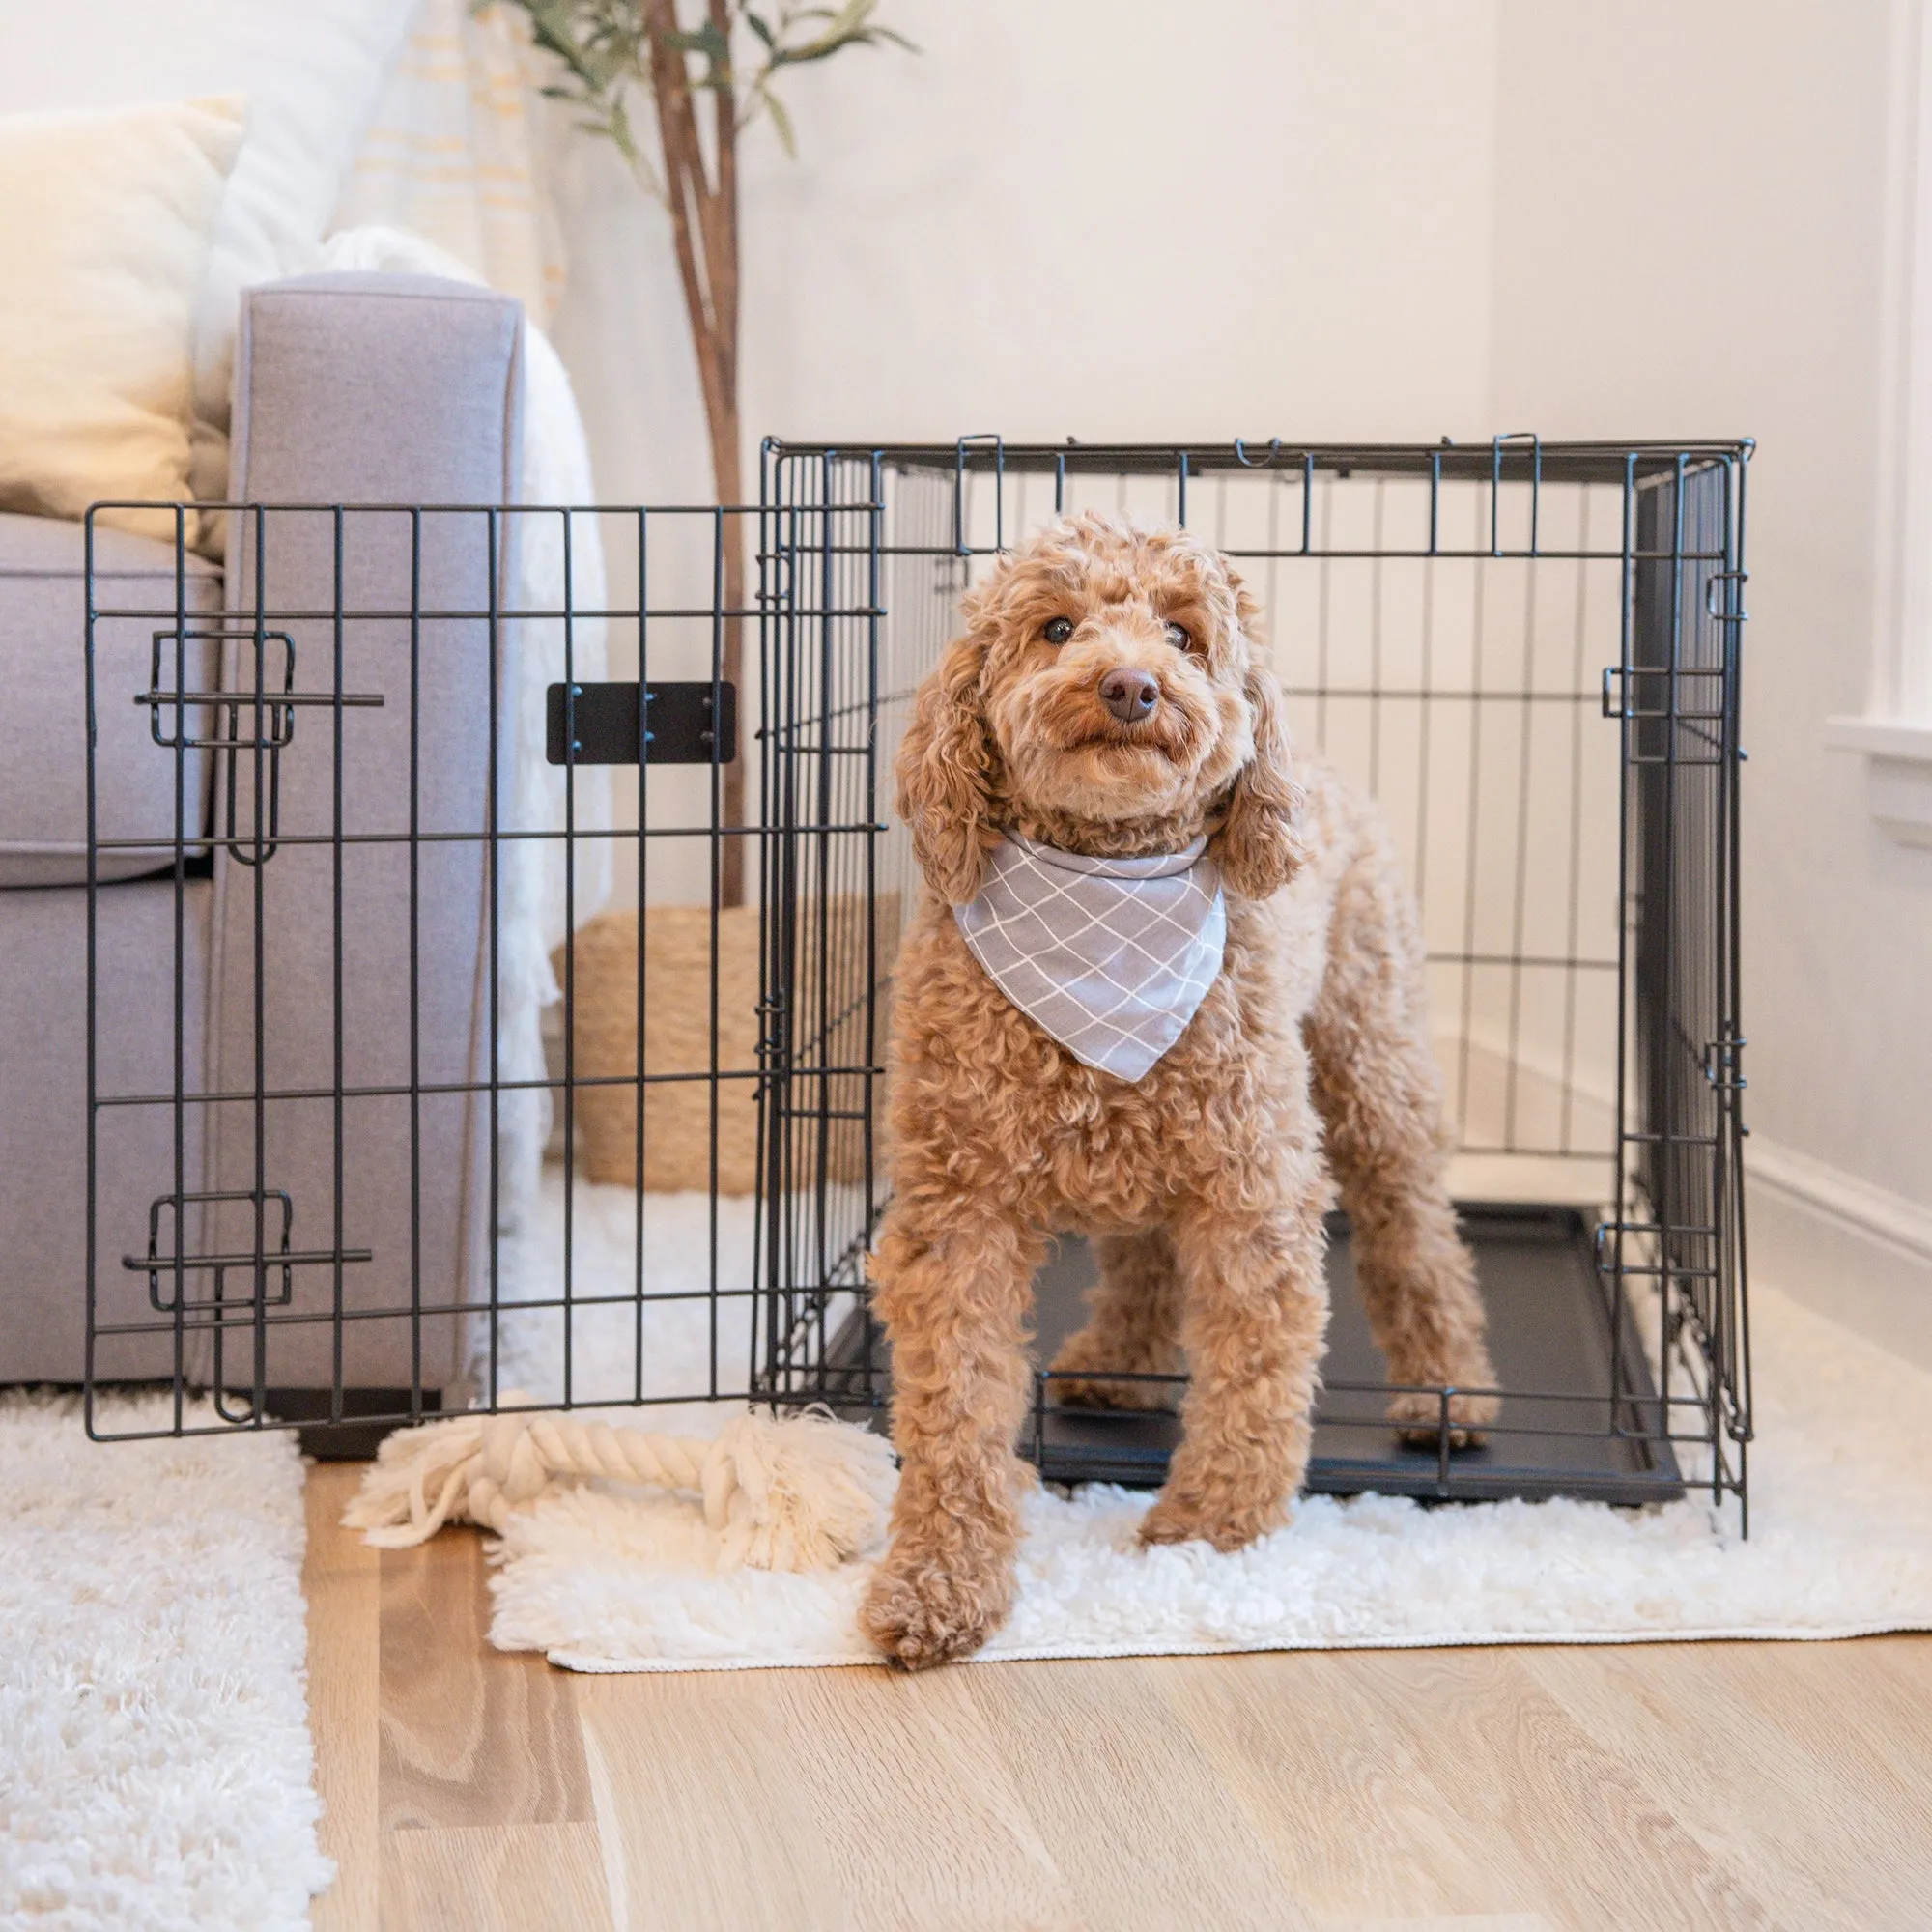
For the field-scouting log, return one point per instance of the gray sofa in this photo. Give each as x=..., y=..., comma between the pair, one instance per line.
x=348, y=389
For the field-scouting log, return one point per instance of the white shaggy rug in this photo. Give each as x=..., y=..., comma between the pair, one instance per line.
x=154, y=1757
x=603, y=1579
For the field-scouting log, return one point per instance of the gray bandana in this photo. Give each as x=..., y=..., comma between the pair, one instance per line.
x=1111, y=957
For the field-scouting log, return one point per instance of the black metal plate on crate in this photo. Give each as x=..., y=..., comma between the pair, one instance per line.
x=1550, y=1333
x=682, y=727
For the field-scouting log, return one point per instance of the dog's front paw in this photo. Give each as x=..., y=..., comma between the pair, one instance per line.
x=920, y=1612
x=1417, y=1418
x=1228, y=1522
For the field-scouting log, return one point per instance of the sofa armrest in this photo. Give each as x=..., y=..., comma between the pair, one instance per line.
x=370, y=388
x=357, y=959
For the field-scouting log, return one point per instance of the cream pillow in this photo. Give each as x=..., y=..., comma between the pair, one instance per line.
x=312, y=70
x=106, y=223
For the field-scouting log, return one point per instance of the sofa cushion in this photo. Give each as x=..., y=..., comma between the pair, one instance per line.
x=43, y=1138
x=42, y=727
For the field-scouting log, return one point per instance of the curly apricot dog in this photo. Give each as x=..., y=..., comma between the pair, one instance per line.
x=1108, y=699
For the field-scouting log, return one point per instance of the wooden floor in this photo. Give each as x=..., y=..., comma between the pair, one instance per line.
x=1483, y=1790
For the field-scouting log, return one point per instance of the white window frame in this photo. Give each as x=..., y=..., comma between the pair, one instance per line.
x=1894, y=733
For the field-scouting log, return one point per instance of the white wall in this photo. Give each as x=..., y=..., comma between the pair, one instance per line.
x=1105, y=218
x=1125, y=218
x=1690, y=240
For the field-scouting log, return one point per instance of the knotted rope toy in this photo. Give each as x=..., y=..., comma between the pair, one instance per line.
x=800, y=1492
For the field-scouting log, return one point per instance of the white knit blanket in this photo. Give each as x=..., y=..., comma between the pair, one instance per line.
x=1840, y=1543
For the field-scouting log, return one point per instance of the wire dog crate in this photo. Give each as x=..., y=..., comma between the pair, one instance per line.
x=315, y=1192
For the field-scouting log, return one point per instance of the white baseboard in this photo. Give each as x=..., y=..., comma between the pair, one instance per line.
x=1855, y=1252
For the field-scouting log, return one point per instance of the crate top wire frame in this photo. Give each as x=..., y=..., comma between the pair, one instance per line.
x=1530, y=651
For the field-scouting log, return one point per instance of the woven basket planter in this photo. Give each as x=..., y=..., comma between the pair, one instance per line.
x=676, y=1114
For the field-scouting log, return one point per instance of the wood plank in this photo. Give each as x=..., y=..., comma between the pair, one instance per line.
x=1455, y=1921
x=812, y=1799
x=1355, y=1822
x=1460, y=1791
x=342, y=1581
x=1779, y=1759
x=930, y=1829
x=469, y=1735
x=703, y=1823
x=1589, y=1838
x=1131, y=1809
x=1895, y=1690
x=495, y=1877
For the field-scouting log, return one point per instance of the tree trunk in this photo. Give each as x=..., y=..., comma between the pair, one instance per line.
x=705, y=227
x=727, y=474
x=727, y=452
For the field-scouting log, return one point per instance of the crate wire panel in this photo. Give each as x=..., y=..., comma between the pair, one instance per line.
x=1679, y=715
x=831, y=912
x=1528, y=653
x=291, y=824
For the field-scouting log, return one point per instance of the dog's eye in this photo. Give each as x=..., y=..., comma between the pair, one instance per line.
x=1058, y=630
x=1178, y=635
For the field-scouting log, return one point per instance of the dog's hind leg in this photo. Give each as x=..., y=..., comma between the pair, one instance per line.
x=1132, y=1327
x=953, y=1286
x=1377, y=1089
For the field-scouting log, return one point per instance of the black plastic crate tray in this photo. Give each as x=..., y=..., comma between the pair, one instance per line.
x=1580, y=1415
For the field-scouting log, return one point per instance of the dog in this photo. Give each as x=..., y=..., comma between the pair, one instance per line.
x=1109, y=700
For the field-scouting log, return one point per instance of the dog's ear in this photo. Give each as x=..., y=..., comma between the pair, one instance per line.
x=945, y=772
x=1259, y=845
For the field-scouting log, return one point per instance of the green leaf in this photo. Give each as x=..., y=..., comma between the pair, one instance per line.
x=603, y=49
x=707, y=41
x=781, y=126
x=840, y=30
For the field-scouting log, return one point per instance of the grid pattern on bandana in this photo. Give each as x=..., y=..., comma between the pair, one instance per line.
x=1112, y=959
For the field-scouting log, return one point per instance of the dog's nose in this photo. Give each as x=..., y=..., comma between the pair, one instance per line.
x=1129, y=694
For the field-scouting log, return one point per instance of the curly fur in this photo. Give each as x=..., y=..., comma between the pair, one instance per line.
x=1206, y=1182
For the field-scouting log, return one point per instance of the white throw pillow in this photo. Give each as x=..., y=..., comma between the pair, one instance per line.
x=106, y=224
x=313, y=72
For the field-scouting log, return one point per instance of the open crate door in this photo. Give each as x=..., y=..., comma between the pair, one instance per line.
x=377, y=789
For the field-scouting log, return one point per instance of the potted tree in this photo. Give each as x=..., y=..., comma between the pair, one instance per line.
x=672, y=91
x=617, y=63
